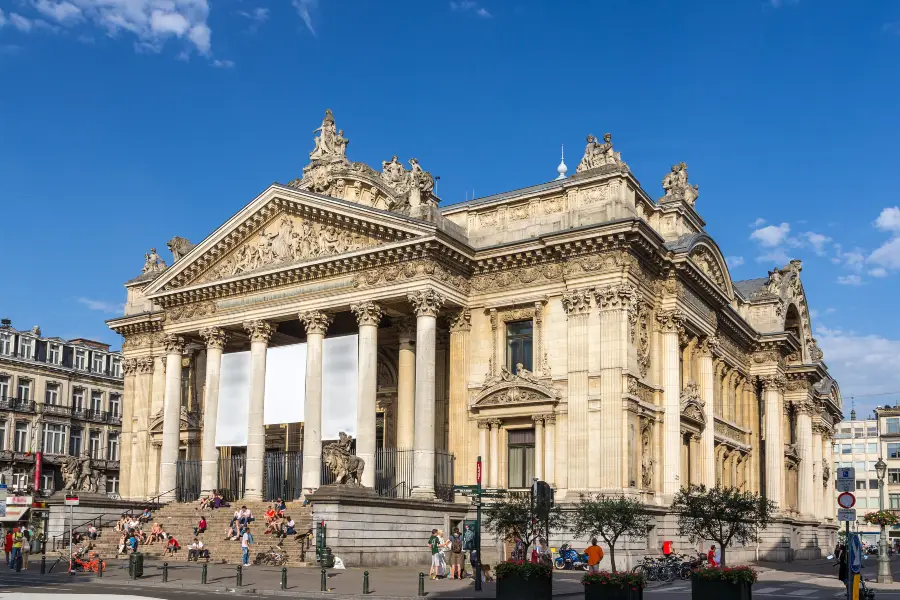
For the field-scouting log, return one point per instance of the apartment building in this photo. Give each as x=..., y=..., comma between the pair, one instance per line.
x=58, y=398
x=856, y=445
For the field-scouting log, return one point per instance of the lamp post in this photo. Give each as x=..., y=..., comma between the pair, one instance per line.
x=884, y=561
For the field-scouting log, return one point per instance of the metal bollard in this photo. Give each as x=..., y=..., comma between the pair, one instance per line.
x=99, y=567
x=284, y=578
x=43, y=565
x=165, y=572
x=324, y=580
x=239, y=577
x=421, y=584
x=203, y=575
x=365, y=583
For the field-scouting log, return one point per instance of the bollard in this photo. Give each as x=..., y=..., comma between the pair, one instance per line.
x=165, y=572
x=239, y=577
x=421, y=584
x=324, y=580
x=99, y=567
x=284, y=578
x=365, y=583
x=203, y=575
x=44, y=565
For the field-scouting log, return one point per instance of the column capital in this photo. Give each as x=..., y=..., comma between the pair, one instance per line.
x=623, y=296
x=129, y=366
x=460, y=320
x=538, y=418
x=709, y=345
x=549, y=419
x=773, y=382
x=406, y=329
x=670, y=321
x=214, y=337
x=259, y=331
x=315, y=321
x=146, y=364
x=805, y=407
x=495, y=423
x=484, y=423
x=367, y=313
x=577, y=302
x=426, y=303
x=174, y=344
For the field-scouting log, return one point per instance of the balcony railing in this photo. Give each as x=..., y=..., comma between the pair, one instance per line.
x=56, y=409
x=96, y=416
x=16, y=404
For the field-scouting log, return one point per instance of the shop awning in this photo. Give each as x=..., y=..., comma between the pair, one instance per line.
x=14, y=513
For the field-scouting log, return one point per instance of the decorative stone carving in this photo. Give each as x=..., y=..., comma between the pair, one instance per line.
x=146, y=365
x=315, y=321
x=393, y=172
x=598, y=155
x=617, y=296
x=671, y=321
x=706, y=262
x=129, y=366
x=347, y=468
x=367, y=313
x=522, y=387
x=692, y=404
x=153, y=263
x=826, y=474
x=414, y=269
x=426, y=302
x=214, y=337
x=79, y=474
x=677, y=187
x=709, y=346
x=190, y=311
x=461, y=320
x=646, y=454
x=577, y=302
x=766, y=356
x=525, y=276
x=179, y=247
x=173, y=344
x=259, y=331
x=772, y=382
x=815, y=353
x=329, y=143
x=640, y=390
x=484, y=423
x=794, y=385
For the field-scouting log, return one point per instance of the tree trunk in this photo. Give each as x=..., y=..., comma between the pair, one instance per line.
x=612, y=556
x=722, y=554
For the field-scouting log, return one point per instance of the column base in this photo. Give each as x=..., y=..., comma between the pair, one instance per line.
x=422, y=493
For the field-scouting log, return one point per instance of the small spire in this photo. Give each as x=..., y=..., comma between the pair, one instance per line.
x=562, y=169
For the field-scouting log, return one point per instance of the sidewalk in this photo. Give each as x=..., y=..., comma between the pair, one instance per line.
x=823, y=573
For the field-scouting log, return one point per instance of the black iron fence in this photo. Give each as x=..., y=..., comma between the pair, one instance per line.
x=232, y=477
x=283, y=475
x=187, y=480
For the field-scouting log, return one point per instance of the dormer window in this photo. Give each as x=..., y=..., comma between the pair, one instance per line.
x=115, y=367
x=26, y=347
x=5, y=343
x=54, y=354
x=97, y=363
x=81, y=359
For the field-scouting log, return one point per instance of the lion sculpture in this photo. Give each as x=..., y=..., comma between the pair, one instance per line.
x=347, y=468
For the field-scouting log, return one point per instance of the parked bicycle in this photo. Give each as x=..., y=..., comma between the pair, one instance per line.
x=275, y=556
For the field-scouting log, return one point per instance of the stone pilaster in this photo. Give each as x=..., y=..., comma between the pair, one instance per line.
x=538, y=446
x=155, y=393
x=316, y=324
x=494, y=462
x=773, y=389
x=129, y=371
x=215, y=339
x=426, y=304
x=671, y=325
x=484, y=429
x=368, y=315
x=827, y=487
x=441, y=416
x=577, y=304
x=805, y=450
x=260, y=333
x=174, y=346
x=460, y=363
x=550, y=449
x=816, y=489
x=706, y=451
x=406, y=383
x=142, y=472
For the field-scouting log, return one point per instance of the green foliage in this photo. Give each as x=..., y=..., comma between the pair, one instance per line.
x=721, y=514
x=523, y=569
x=729, y=574
x=610, y=517
x=513, y=516
x=623, y=579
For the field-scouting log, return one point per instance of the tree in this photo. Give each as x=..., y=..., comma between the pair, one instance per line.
x=610, y=517
x=515, y=516
x=721, y=514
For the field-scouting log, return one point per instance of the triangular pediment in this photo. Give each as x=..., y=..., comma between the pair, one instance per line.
x=284, y=228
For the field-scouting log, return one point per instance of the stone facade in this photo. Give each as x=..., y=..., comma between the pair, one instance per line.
x=580, y=317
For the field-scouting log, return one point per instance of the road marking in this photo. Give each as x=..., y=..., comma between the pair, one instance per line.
x=768, y=590
x=802, y=593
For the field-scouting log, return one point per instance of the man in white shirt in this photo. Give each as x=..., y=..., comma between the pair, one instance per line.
x=195, y=550
x=246, y=542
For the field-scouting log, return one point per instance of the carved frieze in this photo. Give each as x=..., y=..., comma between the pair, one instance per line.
x=190, y=311
x=597, y=262
x=640, y=390
x=524, y=276
x=643, y=338
x=142, y=340
x=411, y=270
x=521, y=388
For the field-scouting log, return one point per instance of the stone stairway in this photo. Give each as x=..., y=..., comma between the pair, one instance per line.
x=179, y=519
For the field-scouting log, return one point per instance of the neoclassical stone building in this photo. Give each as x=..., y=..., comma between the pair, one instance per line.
x=580, y=331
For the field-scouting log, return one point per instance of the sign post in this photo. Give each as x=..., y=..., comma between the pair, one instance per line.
x=845, y=482
x=478, y=524
x=71, y=502
x=3, y=496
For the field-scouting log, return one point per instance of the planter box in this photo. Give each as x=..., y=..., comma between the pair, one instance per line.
x=599, y=591
x=702, y=589
x=514, y=587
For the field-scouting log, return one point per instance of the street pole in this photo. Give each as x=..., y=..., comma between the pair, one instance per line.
x=71, y=520
x=884, y=561
x=478, y=526
x=847, y=553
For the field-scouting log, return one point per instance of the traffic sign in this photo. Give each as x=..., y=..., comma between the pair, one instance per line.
x=71, y=500
x=846, y=500
x=845, y=480
x=3, y=492
x=846, y=514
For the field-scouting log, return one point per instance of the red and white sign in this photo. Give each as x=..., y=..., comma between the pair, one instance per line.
x=846, y=500
x=71, y=500
x=478, y=473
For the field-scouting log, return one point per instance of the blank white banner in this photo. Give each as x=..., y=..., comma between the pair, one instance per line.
x=340, y=362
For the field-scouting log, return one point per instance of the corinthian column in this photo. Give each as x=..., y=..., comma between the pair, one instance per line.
x=368, y=315
x=773, y=387
x=129, y=368
x=805, y=449
x=426, y=304
x=817, y=470
x=828, y=504
x=406, y=383
x=215, y=340
x=144, y=468
x=174, y=346
x=577, y=304
x=260, y=333
x=460, y=325
x=316, y=324
x=707, y=453
x=670, y=325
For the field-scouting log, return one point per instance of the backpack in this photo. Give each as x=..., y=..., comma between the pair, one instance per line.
x=456, y=545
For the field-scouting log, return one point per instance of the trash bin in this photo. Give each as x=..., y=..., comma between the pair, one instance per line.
x=327, y=559
x=136, y=565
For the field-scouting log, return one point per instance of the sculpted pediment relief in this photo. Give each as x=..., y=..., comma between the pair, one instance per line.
x=521, y=388
x=186, y=421
x=706, y=261
x=692, y=404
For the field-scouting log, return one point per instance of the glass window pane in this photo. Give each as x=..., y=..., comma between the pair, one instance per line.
x=872, y=448
x=846, y=448
x=859, y=447
x=860, y=484
x=893, y=450
x=892, y=425
x=860, y=466
x=519, y=336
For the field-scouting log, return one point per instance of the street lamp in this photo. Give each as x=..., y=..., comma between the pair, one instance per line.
x=884, y=561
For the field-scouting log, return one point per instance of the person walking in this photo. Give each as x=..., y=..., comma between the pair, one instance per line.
x=841, y=555
x=434, y=543
x=246, y=542
x=17, y=549
x=7, y=546
x=26, y=548
x=595, y=555
x=712, y=556
x=456, y=554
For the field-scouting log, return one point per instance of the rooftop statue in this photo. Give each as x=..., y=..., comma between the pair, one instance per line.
x=179, y=247
x=153, y=263
x=330, y=143
x=598, y=155
x=677, y=187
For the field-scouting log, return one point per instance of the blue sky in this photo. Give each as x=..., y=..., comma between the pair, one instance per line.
x=125, y=122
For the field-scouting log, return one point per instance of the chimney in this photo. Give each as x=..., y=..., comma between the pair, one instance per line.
x=853, y=415
x=5, y=323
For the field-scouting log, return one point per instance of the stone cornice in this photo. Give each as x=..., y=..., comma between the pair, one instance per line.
x=137, y=324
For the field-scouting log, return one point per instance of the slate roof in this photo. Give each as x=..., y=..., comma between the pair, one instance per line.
x=748, y=286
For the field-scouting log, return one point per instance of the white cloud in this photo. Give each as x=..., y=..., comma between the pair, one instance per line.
x=777, y=257
x=102, y=306
x=734, y=261
x=19, y=22
x=849, y=280
x=167, y=22
x=759, y=221
x=2, y=18
x=61, y=12
x=223, y=64
x=470, y=6
x=303, y=8
x=817, y=241
x=853, y=260
x=483, y=12
x=888, y=255
x=771, y=235
x=878, y=272
x=889, y=219
x=257, y=16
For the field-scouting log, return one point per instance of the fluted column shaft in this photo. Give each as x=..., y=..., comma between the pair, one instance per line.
x=209, y=455
x=171, y=417
x=670, y=326
x=707, y=450
x=484, y=429
x=577, y=305
x=460, y=358
x=805, y=449
x=494, y=463
x=539, y=446
x=550, y=449
x=774, y=446
x=406, y=384
x=260, y=334
x=316, y=324
x=368, y=315
x=426, y=304
x=817, y=472
x=144, y=474
x=129, y=368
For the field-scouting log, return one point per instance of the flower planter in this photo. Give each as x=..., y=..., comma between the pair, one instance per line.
x=516, y=587
x=703, y=589
x=599, y=591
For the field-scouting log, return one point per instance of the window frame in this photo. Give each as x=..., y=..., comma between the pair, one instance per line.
x=25, y=432
x=112, y=446
x=79, y=359
x=23, y=383
x=54, y=348
x=26, y=341
x=95, y=357
x=525, y=352
x=896, y=451
x=892, y=425
x=523, y=447
x=52, y=390
x=94, y=450
x=54, y=438
x=6, y=343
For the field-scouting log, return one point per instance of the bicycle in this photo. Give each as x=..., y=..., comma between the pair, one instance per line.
x=275, y=556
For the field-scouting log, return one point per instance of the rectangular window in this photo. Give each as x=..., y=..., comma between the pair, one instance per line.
x=846, y=448
x=51, y=397
x=859, y=433
x=112, y=485
x=893, y=476
x=20, y=480
x=96, y=402
x=47, y=482
x=860, y=466
x=519, y=336
x=115, y=367
x=873, y=484
x=893, y=449
x=94, y=445
x=521, y=458
x=81, y=359
x=114, y=402
x=2, y=435
x=75, y=442
x=872, y=432
x=23, y=390
x=859, y=447
x=860, y=484
x=26, y=348
x=5, y=343
x=54, y=354
x=894, y=501
x=860, y=503
x=78, y=399
x=97, y=363
x=54, y=438
x=112, y=447
x=4, y=386
x=20, y=439
x=892, y=425
x=872, y=448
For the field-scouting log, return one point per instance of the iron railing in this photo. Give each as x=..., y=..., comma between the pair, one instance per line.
x=187, y=480
x=232, y=477
x=283, y=475
x=16, y=404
